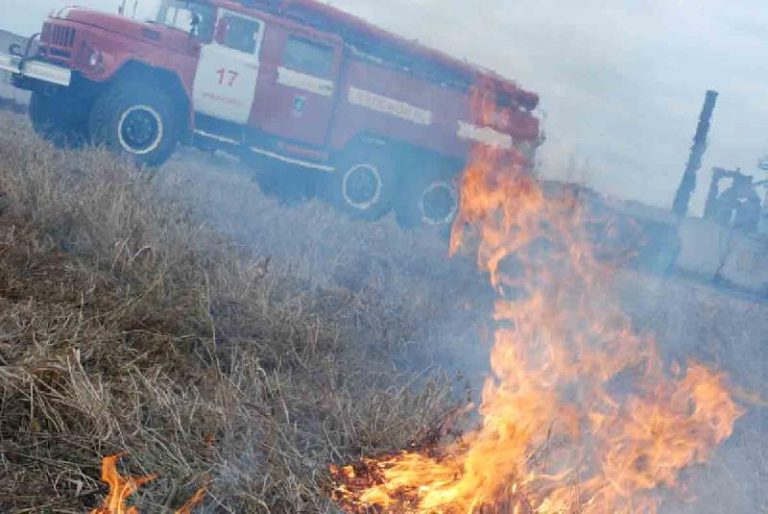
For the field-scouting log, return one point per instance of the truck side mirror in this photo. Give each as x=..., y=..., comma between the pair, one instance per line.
x=222, y=29
x=194, y=24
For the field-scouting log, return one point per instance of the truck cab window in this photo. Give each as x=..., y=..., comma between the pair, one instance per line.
x=243, y=34
x=180, y=15
x=308, y=57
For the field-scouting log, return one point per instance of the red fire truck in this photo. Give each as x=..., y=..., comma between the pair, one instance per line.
x=380, y=123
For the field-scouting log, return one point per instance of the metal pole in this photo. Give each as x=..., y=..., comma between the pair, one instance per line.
x=688, y=183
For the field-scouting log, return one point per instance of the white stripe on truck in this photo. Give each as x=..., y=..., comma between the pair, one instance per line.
x=298, y=80
x=389, y=106
x=485, y=135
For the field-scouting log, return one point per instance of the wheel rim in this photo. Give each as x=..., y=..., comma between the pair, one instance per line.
x=362, y=186
x=439, y=204
x=140, y=129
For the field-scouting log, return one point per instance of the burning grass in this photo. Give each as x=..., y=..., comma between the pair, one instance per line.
x=126, y=325
x=580, y=413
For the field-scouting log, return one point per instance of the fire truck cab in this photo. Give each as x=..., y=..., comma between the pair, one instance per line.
x=377, y=123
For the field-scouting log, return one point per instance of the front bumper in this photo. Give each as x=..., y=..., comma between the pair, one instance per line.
x=34, y=69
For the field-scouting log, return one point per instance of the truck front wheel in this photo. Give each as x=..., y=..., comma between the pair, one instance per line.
x=137, y=121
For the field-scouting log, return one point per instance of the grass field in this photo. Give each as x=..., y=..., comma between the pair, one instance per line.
x=127, y=323
x=220, y=337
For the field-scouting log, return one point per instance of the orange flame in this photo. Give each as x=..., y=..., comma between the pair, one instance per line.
x=580, y=414
x=121, y=488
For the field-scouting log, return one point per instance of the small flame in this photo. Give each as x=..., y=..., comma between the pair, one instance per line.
x=121, y=488
x=580, y=414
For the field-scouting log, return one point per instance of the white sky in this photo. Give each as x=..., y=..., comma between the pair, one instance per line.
x=621, y=81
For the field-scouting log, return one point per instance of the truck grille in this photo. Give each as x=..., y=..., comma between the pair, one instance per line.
x=57, y=35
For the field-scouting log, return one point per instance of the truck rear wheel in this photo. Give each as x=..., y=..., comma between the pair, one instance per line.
x=57, y=117
x=364, y=183
x=131, y=119
x=429, y=198
x=431, y=204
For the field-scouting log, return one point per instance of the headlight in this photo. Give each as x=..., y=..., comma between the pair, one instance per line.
x=96, y=60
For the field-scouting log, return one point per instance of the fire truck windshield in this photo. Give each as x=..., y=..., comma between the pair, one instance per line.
x=198, y=18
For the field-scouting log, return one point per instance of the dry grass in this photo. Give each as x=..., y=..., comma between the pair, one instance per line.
x=216, y=335
x=126, y=324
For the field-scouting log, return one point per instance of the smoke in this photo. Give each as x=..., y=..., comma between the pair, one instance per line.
x=438, y=308
x=621, y=82
x=695, y=320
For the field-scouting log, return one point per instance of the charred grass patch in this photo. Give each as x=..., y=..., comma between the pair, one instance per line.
x=129, y=325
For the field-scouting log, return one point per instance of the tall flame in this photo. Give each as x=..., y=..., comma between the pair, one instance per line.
x=121, y=488
x=580, y=414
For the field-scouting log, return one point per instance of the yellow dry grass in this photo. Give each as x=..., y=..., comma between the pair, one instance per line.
x=127, y=324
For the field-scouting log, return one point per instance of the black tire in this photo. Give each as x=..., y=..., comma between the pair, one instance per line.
x=137, y=121
x=428, y=196
x=58, y=117
x=364, y=184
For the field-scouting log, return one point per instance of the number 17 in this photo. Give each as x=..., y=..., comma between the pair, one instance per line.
x=223, y=72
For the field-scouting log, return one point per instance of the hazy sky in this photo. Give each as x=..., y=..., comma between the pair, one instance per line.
x=621, y=81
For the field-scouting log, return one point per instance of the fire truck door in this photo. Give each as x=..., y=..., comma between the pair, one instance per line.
x=297, y=95
x=225, y=82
